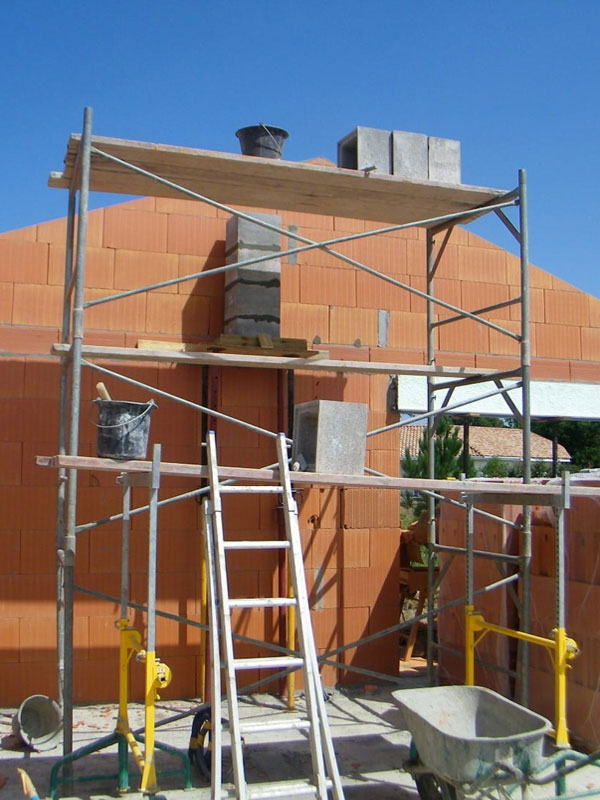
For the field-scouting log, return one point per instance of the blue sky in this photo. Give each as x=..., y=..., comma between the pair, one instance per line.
x=516, y=81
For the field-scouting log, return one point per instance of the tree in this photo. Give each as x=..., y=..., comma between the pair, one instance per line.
x=448, y=463
x=580, y=437
x=495, y=468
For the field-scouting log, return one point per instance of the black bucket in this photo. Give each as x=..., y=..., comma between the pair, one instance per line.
x=262, y=140
x=123, y=428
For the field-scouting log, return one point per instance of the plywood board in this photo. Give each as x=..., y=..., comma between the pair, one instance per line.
x=268, y=183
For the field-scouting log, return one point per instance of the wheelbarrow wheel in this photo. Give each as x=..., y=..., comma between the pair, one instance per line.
x=199, y=751
x=432, y=788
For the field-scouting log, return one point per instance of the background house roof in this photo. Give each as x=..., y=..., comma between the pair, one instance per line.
x=487, y=442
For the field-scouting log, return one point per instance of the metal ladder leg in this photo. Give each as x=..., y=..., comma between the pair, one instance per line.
x=315, y=723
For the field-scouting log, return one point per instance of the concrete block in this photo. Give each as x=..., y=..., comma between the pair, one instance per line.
x=253, y=293
x=252, y=302
x=330, y=436
x=366, y=147
x=444, y=160
x=410, y=155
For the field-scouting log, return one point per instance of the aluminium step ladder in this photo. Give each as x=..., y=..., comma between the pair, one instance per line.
x=325, y=774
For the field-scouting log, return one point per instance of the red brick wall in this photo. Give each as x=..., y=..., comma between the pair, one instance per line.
x=350, y=537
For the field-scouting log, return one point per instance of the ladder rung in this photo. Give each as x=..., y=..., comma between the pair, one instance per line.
x=274, y=662
x=253, y=544
x=283, y=725
x=284, y=789
x=250, y=489
x=261, y=602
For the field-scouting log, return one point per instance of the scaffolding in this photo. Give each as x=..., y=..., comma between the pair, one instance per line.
x=137, y=168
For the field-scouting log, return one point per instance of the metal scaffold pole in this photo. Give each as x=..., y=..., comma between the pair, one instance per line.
x=66, y=657
x=431, y=425
x=525, y=621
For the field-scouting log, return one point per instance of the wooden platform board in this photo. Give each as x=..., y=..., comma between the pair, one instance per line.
x=268, y=183
x=261, y=345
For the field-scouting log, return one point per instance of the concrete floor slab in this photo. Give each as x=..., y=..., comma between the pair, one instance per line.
x=370, y=740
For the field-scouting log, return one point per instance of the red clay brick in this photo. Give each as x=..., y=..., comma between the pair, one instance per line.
x=29, y=596
x=133, y=269
x=416, y=257
x=174, y=205
x=385, y=461
x=556, y=341
x=582, y=371
x=373, y=292
x=11, y=550
x=9, y=640
x=24, y=262
x=397, y=355
x=348, y=225
x=449, y=291
x=177, y=313
x=407, y=329
x=384, y=253
x=476, y=295
x=590, y=344
x=125, y=314
x=255, y=387
x=304, y=219
x=336, y=285
x=501, y=343
x=197, y=236
x=208, y=285
x=567, y=308
x=21, y=234
x=594, y=312
x=550, y=368
x=318, y=257
x=455, y=359
x=418, y=304
x=349, y=324
x=99, y=267
x=290, y=284
x=305, y=321
x=12, y=376
x=463, y=334
x=376, y=508
x=6, y=301
x=482, y=264
x=447, y=268
x=37, y=640
x=324, y=588
x=496, y=362
x=10, y=463
x=24, y=679
x=37, y=303
x=131, y=229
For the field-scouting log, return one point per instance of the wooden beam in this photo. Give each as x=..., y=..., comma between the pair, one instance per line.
x=269, y=183
x=504, y=490
x=316, y=364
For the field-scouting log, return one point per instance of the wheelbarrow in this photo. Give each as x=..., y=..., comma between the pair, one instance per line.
x=468, y=741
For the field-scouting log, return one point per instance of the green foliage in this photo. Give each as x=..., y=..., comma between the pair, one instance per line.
x=581, y=438
x=495, y=468
x=447, y=459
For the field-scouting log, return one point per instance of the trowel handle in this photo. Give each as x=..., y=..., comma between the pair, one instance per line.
x=103, y=391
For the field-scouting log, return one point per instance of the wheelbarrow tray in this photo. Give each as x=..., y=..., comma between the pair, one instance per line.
x=461, y=732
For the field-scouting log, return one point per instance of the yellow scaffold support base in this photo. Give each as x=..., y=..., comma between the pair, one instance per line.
x=562, y=649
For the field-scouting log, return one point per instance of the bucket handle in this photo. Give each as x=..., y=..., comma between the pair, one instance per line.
x=278, y=148
x=149, y=407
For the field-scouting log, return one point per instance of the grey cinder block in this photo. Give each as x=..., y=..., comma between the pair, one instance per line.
x=410, y=155
x=330, y=436
x=253, y=293
x=444, y=160
x=366, y=147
